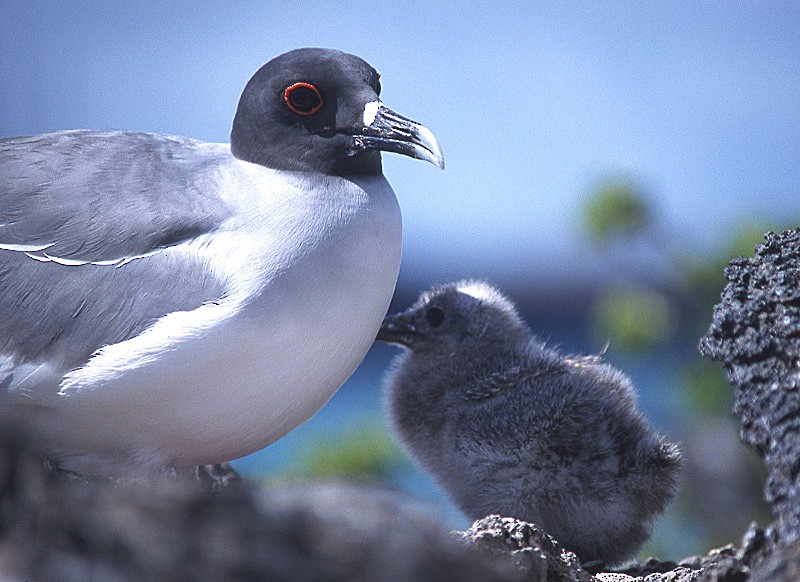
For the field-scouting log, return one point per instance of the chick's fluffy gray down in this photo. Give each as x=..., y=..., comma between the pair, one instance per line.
x=509, y=426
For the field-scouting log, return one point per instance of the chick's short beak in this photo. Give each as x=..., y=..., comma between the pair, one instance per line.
x=398, y=329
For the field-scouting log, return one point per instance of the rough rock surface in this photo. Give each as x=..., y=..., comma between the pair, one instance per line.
x=56, y=529
x=755, y=334
x=52, y=528
x=531, y=549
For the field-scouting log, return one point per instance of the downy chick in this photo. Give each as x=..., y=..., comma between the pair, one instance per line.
x=509, y=426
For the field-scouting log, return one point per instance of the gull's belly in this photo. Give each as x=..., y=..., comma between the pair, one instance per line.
x=229, y=378
x=241, y=386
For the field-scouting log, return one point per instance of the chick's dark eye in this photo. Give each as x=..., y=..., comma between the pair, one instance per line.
x=434, y=316
x=303, y=98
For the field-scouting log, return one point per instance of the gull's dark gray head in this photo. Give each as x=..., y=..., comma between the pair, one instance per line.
x=319, y=110
x=450, y=316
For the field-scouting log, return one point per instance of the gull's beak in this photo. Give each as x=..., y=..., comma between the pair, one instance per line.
x=391, y=132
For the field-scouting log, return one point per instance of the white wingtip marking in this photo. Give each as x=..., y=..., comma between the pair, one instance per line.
x=24, y=248
x=118, y=262
x=65, y=262
x=37, y=258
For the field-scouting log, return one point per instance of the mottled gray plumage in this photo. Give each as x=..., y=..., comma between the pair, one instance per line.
x=510, y=426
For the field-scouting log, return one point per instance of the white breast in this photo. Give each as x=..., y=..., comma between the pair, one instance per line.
x=310, y=273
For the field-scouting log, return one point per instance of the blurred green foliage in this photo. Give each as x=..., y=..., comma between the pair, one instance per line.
x=617, y=208
x=706, y=388
x=364, y=451
x=633, y=316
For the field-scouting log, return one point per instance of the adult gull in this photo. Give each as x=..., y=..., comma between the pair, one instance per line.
x=166, y=302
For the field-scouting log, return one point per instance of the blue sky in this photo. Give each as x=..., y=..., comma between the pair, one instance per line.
x=533, y=103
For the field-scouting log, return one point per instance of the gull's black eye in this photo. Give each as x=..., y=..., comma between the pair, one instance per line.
x=303, y=98
x=434, y=316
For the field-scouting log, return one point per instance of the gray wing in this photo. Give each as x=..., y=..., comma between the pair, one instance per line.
x=100, y=196
x=75, y=208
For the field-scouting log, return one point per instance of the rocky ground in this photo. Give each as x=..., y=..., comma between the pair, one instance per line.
x=53, y=527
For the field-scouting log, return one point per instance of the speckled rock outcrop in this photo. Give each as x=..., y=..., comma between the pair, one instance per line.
x=755, y=334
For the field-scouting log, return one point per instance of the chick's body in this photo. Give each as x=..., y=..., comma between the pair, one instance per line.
x=509, y=426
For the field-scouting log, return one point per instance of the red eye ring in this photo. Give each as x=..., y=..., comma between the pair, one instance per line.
x=295, y=107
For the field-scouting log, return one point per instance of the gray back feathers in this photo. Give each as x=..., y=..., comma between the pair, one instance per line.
x=65, y=227
x=89, y=195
